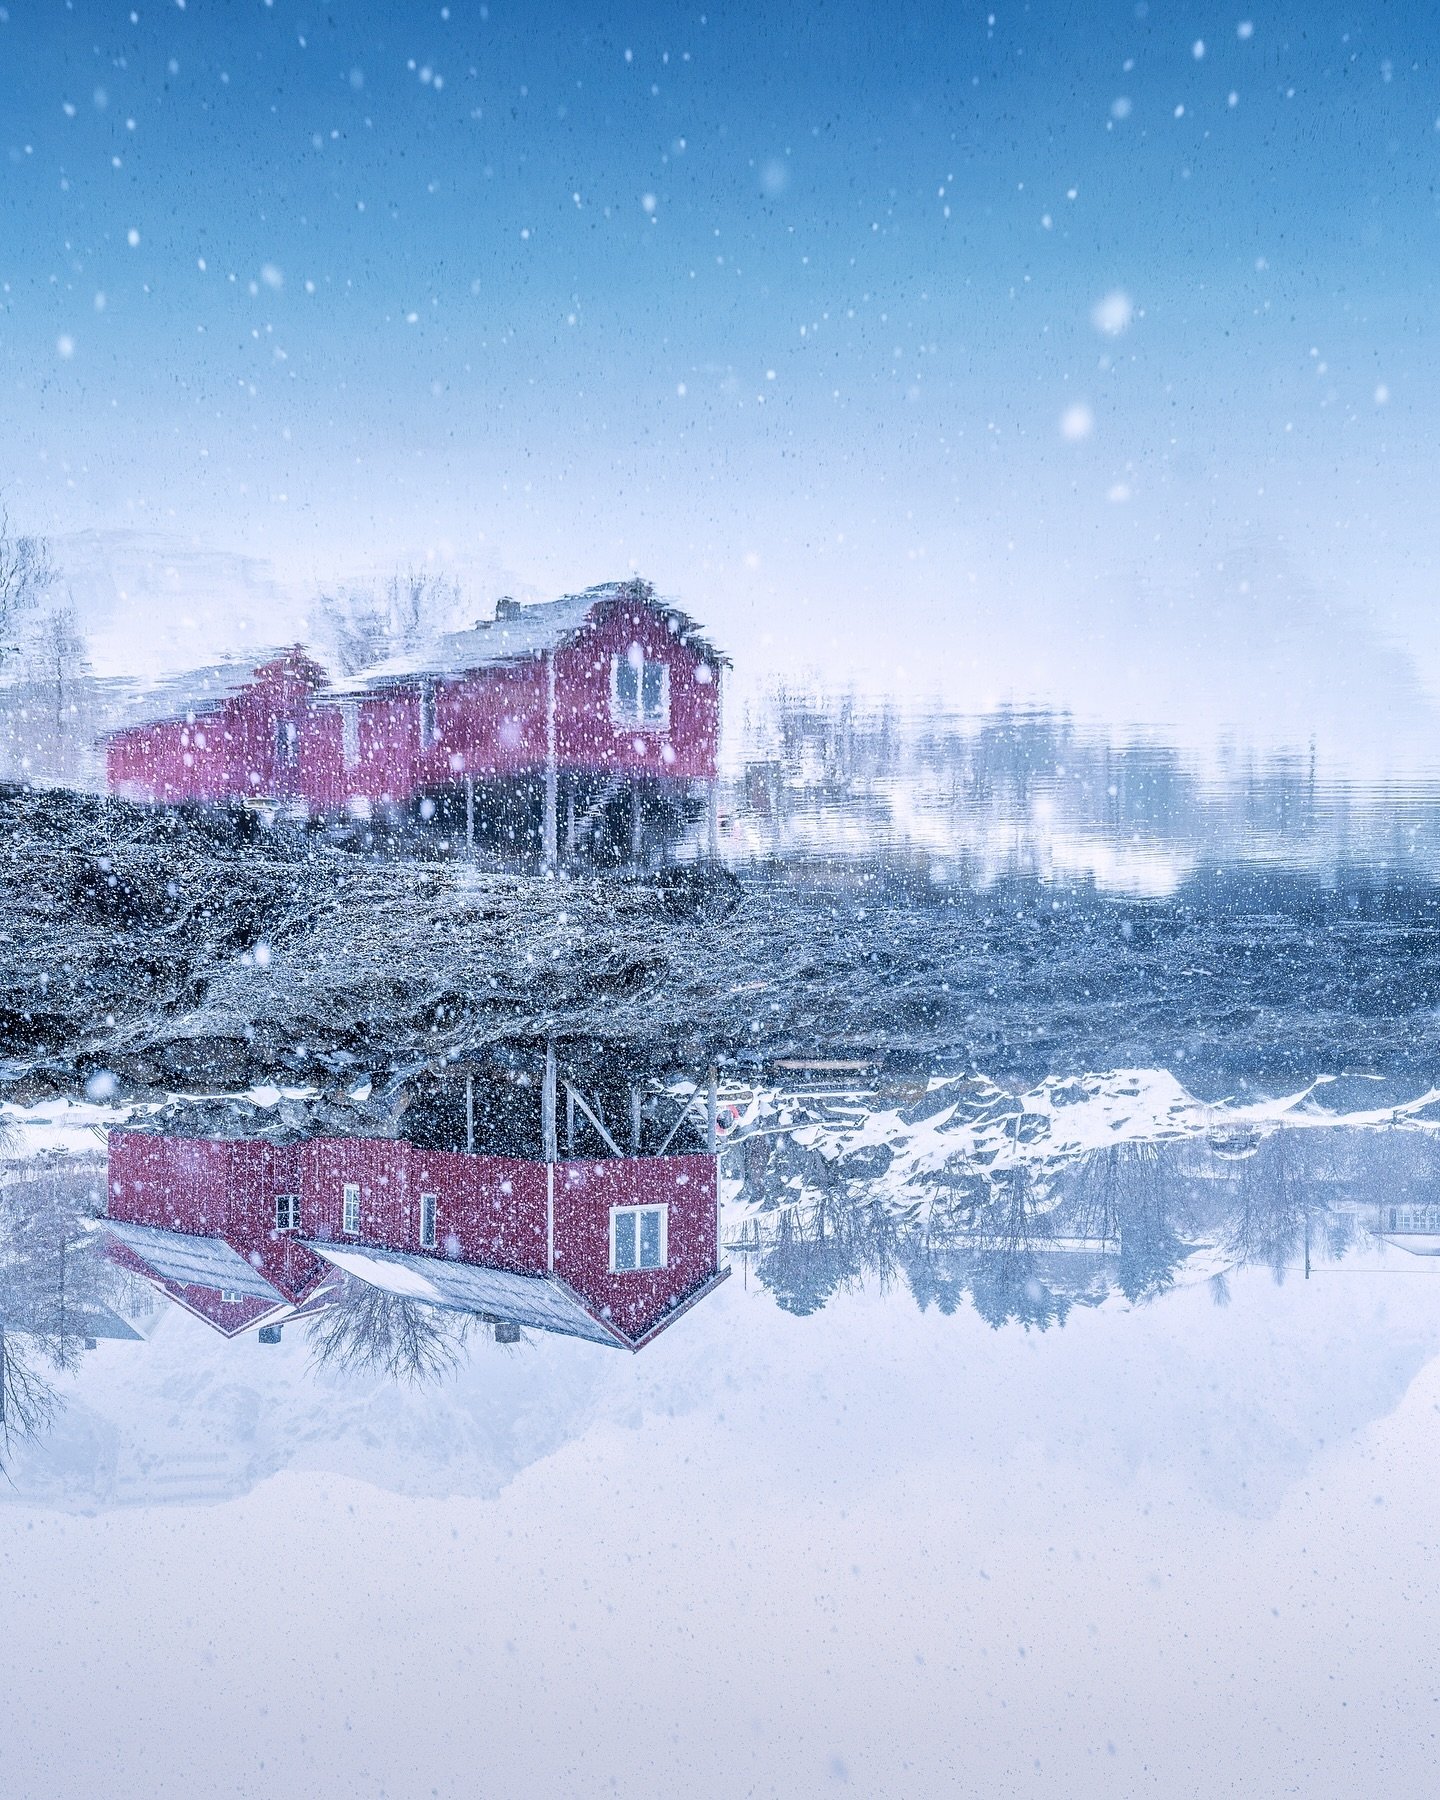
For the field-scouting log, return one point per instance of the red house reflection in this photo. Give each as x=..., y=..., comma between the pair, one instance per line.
x=592, y=696
x=245, y=1233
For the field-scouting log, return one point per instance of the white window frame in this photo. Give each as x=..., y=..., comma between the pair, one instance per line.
x=433, y=1202
x=289, y=1219
x=350, y=1209
x=636, y=720
x=229, y=1297
x=429, y=715
x=653, y=1207
x=350, y=733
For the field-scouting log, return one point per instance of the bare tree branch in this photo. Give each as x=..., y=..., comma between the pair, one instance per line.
x=368, y=1330
x=360, y=627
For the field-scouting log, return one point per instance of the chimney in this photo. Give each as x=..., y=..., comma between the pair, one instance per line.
x=506, y=608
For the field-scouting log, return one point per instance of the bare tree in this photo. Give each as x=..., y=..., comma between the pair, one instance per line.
x=360, y=627
x=58, y=692
x=27, y=1400
x=26, y=576
x=368, y=1330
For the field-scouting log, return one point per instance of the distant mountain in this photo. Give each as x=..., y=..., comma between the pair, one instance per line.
x=148, y=603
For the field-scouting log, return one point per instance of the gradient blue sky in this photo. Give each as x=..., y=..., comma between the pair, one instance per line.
x=788, y=309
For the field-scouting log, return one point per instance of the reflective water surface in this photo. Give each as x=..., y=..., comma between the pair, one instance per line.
x=574, y=1420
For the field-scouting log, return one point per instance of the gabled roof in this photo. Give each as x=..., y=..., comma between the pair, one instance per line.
x=549, y=625
x=196, y=692
x=490, y=643
x=540, y=1301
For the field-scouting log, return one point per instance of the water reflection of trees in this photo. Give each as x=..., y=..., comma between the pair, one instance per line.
x=829, y=770
x=1026, y=1244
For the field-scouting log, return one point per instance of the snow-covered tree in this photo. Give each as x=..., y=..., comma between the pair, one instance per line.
x=27, y=574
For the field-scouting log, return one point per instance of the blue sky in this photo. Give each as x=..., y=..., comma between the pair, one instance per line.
x=1029, y=349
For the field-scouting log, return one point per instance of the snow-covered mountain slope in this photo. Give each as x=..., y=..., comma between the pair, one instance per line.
x=968, y=1134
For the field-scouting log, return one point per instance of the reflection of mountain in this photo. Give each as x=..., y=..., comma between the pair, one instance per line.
x=191, y=1418
x=196, y=603
x=1074, y=1193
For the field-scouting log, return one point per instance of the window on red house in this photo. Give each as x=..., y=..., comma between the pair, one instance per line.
x=429, y=728
x=638, y=1237
x=639, y=691
x=287, y=1212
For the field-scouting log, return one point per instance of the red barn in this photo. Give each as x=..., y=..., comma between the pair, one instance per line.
x=610, y=696
x=234, y=736
x=245, y=1233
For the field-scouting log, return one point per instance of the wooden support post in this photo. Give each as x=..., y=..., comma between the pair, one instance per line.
x=552, y=772
x=470, y=815
x=547, y=1107
x=712, y=1109
x=634, y=1121
x=712, y=799
x=469, y=1109
x=584, y=1106
x=570, y=820
x=569, y=1120
x=636, y=824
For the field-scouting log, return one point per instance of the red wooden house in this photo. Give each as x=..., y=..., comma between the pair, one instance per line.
x=245, y=1233
x=610, y=695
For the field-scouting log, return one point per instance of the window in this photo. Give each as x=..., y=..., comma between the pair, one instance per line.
x=350, y=733
x=429, y=730
x=228, y=1297
x=427, y=1221
x=350, y=1221
x=639, y=691
x=287, y=1212
x=287, y=743
x=637, y=1237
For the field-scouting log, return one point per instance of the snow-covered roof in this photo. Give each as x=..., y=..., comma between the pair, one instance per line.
x=191, y=691
x=534, y=1300
x=490, y=643
x=1418, y=1243
x=525, y=635
x=193, y=1261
